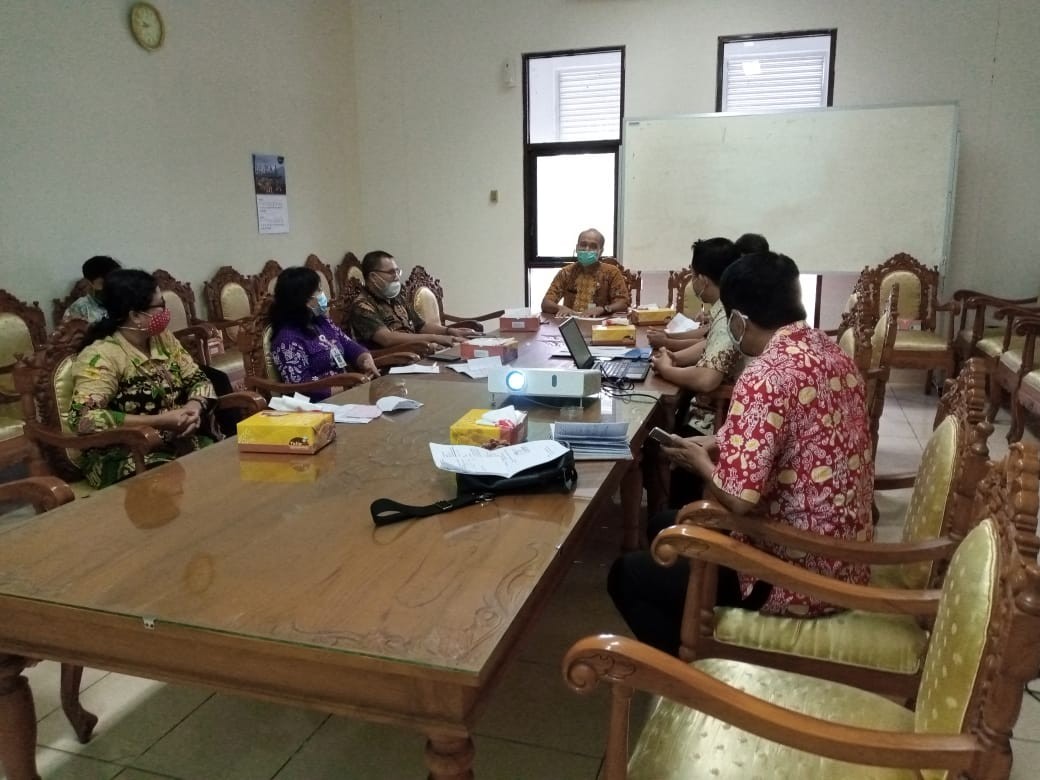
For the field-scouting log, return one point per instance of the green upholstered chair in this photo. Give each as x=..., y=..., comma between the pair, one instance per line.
x=1010, y=363
x=22, y=331
x=266, y=278
x=731, y=720
x=1026, y=396
x=21, y=500
x=978, y=332
x=847, y=647
x=682, y=296
x=925, y=348
x=349, y=268
x=427, y=296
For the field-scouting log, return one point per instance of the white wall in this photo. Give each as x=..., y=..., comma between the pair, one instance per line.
x=106, y=148
x=438, y=130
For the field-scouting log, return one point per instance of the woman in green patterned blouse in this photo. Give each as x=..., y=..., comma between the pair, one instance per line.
x=133, y=371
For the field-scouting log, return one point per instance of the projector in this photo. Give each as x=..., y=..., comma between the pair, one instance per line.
x=553, y=382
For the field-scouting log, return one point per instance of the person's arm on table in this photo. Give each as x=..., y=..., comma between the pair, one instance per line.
x=556, y=293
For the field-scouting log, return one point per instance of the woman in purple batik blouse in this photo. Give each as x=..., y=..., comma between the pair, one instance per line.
x=305, y=344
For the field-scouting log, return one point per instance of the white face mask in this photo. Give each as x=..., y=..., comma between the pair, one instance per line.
x=743, y=331
x=391, y=290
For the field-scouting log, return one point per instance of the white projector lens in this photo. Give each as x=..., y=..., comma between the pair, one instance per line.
x=515, y=380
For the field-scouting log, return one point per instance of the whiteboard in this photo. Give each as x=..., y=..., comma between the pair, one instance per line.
x=835, y=189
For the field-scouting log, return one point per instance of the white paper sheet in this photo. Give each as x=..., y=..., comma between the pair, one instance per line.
x=680, y=323
x=395, y=403
x=342, y=413
x=502, y=462
x=416, y=368
x=477, y=368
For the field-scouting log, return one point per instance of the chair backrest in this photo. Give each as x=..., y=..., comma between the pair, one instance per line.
x=349, y=268
x=180, y=300
x=983, y=647
x=425, y=294
x=230, y=295
x=324, y=272
x=681, y=294
x=267, y=277
x=254, y=342
x=954, y=460
x=342, y=307
x=633, y=279
x=918, y=287
x=60, y=305
x=44, y=381
x=23, y=329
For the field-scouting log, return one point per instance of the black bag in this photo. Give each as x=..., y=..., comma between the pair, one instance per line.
x=557, y=476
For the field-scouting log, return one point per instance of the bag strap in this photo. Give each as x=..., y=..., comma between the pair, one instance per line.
x=386, y=511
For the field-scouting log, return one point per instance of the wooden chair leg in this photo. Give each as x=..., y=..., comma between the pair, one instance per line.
x=82, y=722
x=928, y=377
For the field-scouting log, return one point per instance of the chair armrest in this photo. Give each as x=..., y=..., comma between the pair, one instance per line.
x=139, y=439
x=482, y=318
x=43, y=493
x=895, y=481
x=705, y=545
x=418, y=347
x=396, y=359
x=704, y=514
x=195, y=339
x=336, y=381
x=973, y=297
x=629, y=663
x=244, y=400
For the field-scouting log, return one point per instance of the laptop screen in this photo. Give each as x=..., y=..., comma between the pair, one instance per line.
x=576, y=344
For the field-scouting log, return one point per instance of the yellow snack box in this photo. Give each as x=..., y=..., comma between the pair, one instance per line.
x=466, y=430
x=302, y=433
x=650, y=315
x=623, y=335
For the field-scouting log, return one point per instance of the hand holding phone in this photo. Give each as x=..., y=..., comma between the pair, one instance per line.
x=662, y=436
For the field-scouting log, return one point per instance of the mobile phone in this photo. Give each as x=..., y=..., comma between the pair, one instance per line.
x=661, y=435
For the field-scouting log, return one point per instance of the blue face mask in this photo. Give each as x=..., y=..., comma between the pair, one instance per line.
x=587, y=256
x=323, y=305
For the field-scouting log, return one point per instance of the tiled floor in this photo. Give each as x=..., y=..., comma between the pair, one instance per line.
x=534, y=727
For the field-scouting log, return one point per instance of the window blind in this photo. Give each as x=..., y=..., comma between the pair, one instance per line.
x=769, y=82
x=589, y=103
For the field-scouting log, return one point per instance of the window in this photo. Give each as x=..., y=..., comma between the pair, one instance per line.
x=776, y=71
x=573, y=104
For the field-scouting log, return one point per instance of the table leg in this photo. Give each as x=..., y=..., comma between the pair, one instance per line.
x=631, y=499
x=449, y=758
x=17, y=721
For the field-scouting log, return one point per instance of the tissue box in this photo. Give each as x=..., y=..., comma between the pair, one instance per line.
x=623, y=335
x=650, y=315
x=255, y=467
x=489, y=347
x=466, y=430
x=519, y=323
x=302, y=433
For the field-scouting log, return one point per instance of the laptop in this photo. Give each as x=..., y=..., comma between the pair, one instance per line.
x=618, y=368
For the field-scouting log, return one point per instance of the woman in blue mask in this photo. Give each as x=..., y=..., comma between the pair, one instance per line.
x=305, y=344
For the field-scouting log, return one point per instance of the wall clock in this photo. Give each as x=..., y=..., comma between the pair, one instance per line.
x=146, y=24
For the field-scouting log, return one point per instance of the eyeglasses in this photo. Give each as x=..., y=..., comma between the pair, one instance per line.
x=396, y=272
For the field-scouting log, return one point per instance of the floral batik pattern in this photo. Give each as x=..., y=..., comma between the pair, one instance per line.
x=796, y=443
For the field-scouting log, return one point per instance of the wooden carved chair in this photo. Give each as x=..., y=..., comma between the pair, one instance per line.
x=682, y=296
x=1009, y=364
x=203, y=340
x=44, y=382
x=267, y=277
x=427, y=296
x=634, y=280
x=254, y=339
x=59, y=305
x=879, y=652
x=42, y=494
x=978, y=332
x=325, y=276
x=732, y=720
x=349, y=268
x=22, y=331
x=230, y=297
x=927, y=348
x=1025, y=397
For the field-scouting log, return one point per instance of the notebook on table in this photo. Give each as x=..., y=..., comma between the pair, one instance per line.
x=618, y=368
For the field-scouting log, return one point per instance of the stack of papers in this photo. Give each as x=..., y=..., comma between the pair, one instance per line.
x=477, y=368
x=594, y=441
x=501, y=462
x=344, y=413
x=680, y=323
x=416, y=368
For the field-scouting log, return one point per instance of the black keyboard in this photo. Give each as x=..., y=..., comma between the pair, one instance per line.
x=621, y=369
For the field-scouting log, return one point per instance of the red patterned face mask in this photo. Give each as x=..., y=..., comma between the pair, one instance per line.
x=158, y=322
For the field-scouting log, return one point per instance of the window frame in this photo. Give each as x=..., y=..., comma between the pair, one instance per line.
x=832, y=32
x=533, y=151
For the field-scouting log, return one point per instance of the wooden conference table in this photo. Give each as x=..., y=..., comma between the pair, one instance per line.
x=263, y=576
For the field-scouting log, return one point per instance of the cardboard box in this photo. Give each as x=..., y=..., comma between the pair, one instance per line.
x=466, y=430
x=650, y=315
x=519, y=324
x=619, y=335
x=489, y=347
x=263, y=467
x=302, y=433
